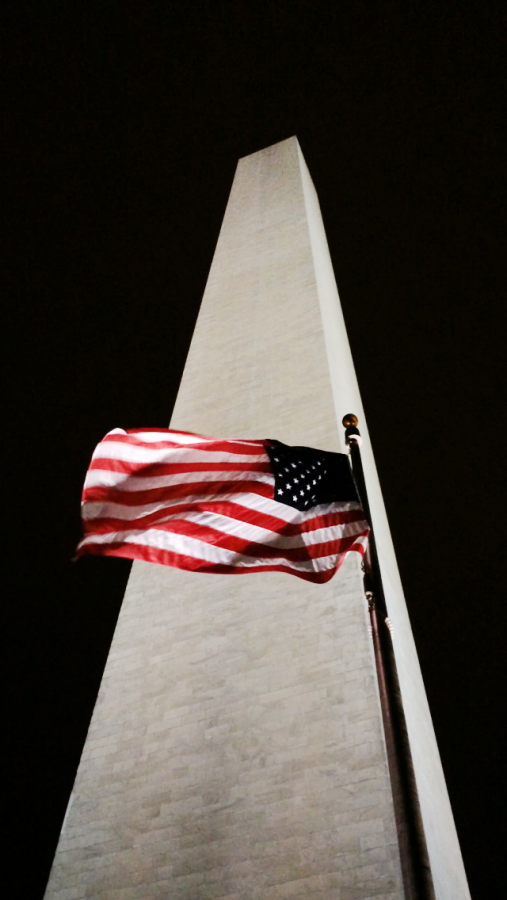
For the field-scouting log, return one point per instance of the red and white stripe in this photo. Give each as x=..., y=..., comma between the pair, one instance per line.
x=183, y=500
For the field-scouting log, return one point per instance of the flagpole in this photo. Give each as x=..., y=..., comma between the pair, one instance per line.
x=417, y=879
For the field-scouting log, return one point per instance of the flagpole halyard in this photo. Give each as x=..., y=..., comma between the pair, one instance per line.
x=417, y=879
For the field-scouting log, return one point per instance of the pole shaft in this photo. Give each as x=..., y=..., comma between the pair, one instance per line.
x=417, y=879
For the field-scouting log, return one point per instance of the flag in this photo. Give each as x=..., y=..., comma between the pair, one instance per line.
x=225, y=506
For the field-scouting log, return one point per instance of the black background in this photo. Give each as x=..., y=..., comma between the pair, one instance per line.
x=123, y=129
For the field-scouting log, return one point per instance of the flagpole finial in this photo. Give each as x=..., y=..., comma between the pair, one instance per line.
x=352, y=432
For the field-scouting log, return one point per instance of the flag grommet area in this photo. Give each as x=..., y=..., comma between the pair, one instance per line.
x=223, y=506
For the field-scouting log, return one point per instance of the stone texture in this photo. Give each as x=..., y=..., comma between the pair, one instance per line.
x=236, y=748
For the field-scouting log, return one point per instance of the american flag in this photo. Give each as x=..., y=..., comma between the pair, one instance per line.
x=225, y=506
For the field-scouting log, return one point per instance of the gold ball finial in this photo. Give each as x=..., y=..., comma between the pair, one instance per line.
x=350, y=419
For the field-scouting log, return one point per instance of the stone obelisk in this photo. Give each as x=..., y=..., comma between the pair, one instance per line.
x=236, y=749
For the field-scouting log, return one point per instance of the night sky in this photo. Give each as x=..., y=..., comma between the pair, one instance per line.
x=123, y=129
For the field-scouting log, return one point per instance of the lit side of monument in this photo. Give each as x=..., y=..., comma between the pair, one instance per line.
x=236, y=748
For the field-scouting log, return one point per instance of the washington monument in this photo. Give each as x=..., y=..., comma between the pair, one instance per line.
x=237, y=748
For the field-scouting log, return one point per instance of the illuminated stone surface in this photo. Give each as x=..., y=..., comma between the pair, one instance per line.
x=236, y=748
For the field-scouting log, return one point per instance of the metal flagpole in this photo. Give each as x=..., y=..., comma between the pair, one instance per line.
x=417, y=879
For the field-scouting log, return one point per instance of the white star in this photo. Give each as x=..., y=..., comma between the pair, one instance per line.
x=288, y=486
x=296, y=481
x=293, y=465
x=314, y=482
x=276, y=459
x=280, y=491
x=294, y=498
x=285, y=470
x=307, y=487
x=302, y=493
